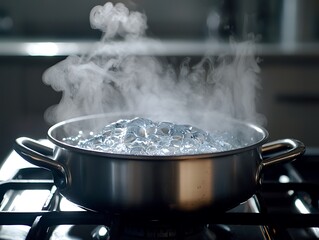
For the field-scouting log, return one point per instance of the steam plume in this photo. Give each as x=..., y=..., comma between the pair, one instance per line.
x=101, y=83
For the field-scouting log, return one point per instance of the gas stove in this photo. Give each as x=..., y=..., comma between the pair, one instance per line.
x=285, y=207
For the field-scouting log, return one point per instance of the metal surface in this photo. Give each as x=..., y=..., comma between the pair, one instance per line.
x=155, y=184
x=52, y=47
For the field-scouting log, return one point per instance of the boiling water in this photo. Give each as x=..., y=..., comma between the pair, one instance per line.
x=140, y=136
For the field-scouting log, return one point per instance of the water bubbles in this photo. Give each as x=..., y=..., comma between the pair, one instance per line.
x=140, y=136
x=74, y=139
x=164, y=128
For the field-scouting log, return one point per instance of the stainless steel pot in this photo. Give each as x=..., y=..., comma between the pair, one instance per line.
x=156, y=184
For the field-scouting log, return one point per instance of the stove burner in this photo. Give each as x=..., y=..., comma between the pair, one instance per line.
x=280, y=210
x=160, y=230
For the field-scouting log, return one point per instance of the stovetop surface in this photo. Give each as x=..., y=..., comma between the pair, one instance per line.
x=286, y=207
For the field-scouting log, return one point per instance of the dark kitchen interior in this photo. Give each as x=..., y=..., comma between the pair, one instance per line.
x=37, y=34
x=289, y=98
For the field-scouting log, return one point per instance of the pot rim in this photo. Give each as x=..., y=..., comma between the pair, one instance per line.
x=74, y=148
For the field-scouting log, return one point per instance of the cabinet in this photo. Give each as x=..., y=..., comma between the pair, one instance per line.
x=23, y=99
x=290, y=97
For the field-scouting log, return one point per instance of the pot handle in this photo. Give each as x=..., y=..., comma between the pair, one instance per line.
x=284, y=150
x=42, y=156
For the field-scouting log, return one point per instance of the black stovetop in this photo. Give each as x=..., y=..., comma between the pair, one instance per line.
x=285, y=207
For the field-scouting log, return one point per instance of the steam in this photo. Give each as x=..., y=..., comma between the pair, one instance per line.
x=113, y=20
x=101, y=83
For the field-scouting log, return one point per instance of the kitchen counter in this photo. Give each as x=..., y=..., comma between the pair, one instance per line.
x=34, y=47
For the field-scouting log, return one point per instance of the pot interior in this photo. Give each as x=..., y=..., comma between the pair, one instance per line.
x=241, y=134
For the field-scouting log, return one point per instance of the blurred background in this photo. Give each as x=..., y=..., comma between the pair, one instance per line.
x=36, y=34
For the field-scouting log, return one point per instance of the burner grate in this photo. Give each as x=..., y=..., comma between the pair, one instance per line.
x=272, y=222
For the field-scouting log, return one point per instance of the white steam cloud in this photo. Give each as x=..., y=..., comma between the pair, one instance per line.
x=101, y=83
x=113, y=20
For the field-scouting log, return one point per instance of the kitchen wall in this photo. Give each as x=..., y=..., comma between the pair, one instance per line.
x=288, y=43
x=58, y=18
x=273, y=20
